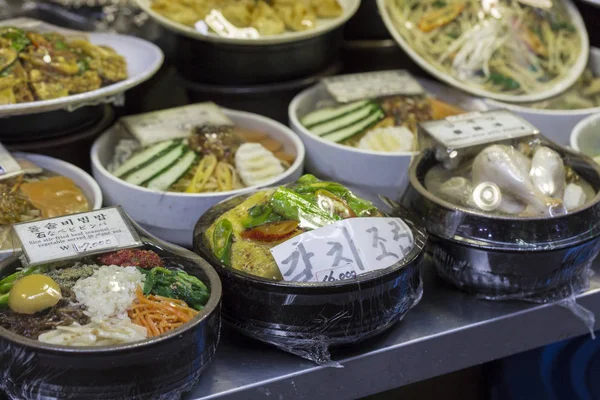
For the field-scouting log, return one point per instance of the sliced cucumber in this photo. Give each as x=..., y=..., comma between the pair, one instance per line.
x=356, y=128
x=329, y=113
x=345, y=121
x=142, y=158
x=164, y=181
x=156, y=167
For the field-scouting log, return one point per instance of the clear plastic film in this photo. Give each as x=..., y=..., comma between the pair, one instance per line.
x=311, y=266
x=507, y=49
x=510, y=218
x=40, y=368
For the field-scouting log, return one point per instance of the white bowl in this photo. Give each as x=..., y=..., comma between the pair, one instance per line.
x=586, y=136
x=559, y=87
x=556, y=125
x=143, y=60
x=81, y=178
x=172, y=216
x=323, y=26
x=368, y=171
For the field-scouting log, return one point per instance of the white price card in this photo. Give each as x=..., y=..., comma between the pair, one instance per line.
x=173, y=123
x=478, y=128
x=369, y=85
x=9, y=167
x=76, y=235
x=344, y=250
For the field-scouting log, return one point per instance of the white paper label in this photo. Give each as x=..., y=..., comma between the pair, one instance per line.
x=174, y=123
x=343, y=250
x=370, y=85
x=75, y=235
x=9, y=167
x=478, y=128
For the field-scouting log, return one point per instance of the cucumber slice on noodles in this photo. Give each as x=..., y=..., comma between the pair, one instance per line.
x=164, y=181
x=346, y=120
x=355, y=129
x=156, y=167
x=142, y=158
x=327, y=114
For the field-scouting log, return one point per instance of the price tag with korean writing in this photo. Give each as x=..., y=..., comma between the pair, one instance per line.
x=9, y=167
x=344, y=250
x=478, y=128
x=76, y=235
x=174, y=123
x=369, y=85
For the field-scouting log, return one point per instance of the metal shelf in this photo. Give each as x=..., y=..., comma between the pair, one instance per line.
x=446, y=332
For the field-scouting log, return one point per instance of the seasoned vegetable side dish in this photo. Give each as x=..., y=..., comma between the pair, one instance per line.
x=385, y=125
x=241, y=237
x=36, y=194
x=504, y=47
x=211, y=159
x=268, y=17
x=43, y=66
x=584, y=94
x=119, y=297
x=521, y=178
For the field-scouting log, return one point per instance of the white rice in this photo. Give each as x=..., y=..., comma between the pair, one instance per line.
x=109, y=292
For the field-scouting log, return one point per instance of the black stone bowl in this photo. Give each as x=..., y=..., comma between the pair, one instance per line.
x=162, y=367
x=504, y=257
x=308, y=318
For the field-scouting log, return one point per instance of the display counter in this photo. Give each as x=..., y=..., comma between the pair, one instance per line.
x=448, y=331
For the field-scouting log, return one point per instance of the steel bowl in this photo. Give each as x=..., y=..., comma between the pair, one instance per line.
x=163, y=367
x=503, y=257
x=308, y=318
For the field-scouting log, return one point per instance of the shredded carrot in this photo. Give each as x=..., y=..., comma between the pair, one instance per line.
x=159, y=314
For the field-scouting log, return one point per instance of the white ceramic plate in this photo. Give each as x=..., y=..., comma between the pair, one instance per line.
x=172, y=216
x=323, y=26
x=559, y=87
x=368, y=171
x=81, y=178
x=556, y=125
x=143, y=60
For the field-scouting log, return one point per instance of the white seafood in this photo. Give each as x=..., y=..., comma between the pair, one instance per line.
x=256, y=164
x=574, y=196
x=548, y=172
x=500, y=164
x=388, y=139
x=511, y=205
x=458, y=189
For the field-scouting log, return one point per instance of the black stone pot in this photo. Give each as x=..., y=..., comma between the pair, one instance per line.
x=308, y=318
x=162, y=367
x=233, y=65
x=505, y=257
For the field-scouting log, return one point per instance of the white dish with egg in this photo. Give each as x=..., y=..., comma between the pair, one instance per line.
x=363, y=168
x=172, y=215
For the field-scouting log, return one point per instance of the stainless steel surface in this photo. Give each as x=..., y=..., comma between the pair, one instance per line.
x=448, y=331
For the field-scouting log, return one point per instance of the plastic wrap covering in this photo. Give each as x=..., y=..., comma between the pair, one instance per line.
x=513, y=219
x=160, y=367
x=514, y=50
x=309, y=318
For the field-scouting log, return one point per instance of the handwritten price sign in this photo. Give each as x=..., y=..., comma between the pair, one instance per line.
x=344, y=250
x=76, y=235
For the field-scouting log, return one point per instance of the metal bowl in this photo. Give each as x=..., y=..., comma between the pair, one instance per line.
x=307, y=318
x=500, y=257
x=163, y=367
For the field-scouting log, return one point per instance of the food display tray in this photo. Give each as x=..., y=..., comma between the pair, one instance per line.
x=448, y=331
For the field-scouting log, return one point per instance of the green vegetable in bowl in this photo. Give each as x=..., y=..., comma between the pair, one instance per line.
x=176, y=285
